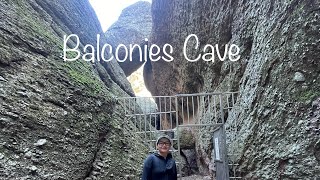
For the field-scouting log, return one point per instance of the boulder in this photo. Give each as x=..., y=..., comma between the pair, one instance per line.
x=133, y=27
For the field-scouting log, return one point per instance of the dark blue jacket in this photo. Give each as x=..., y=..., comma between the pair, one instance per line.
x=156, y=167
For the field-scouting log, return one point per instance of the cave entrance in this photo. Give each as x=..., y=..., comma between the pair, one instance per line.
x=197, y=125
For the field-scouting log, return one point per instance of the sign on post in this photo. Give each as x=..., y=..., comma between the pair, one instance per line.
x=221, y=162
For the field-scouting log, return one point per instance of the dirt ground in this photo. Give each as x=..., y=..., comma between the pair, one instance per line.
x=196, y=177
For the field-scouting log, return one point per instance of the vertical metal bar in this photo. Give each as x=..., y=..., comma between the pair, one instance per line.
x=182, y=110
x=233, y=100
x=155, y=114
x=165, y=110
x=150, y=121
x=171, y=111
x=228, y=103
x=133, y=115
x=134, y=105
x=199, y=106
x=125, y=106
x=235, y=134
x=193, y=109
x=128, y=104
x=177, y=134
x=145, y=116
x=156, y=125
x=209, y=109
x=160, y=113
x=234, y=118
x=215, y=109
x=135, y=122
x=188, y=112
x=155, y=120
x=221, y=109
x=140, y=126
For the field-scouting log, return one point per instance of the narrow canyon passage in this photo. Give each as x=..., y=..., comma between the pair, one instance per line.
x=62, y=114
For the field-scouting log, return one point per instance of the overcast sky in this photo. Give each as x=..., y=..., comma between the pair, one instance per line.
x=108, y=11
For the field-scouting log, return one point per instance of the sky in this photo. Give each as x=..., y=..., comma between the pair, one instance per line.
x=108, y=11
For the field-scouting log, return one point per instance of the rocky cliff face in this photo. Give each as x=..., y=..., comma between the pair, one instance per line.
x=277, y=75
x=60, y=120
x=133, y=27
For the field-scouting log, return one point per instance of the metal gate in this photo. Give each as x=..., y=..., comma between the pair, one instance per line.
x=192, y=120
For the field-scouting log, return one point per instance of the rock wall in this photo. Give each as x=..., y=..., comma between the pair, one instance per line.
x=60, y=120
x=277, y=75
x=133, y=27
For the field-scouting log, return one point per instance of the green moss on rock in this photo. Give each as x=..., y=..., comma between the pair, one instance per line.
x=307, y=95
x=81, y=73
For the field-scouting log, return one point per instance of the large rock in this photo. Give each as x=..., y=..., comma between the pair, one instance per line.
x=133, y=27
x=60, y=120
x=58, y=14
x=276, y=40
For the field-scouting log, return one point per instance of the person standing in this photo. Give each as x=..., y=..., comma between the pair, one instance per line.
x=160, y=165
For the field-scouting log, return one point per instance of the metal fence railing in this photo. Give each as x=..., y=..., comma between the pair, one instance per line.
x=199, y=117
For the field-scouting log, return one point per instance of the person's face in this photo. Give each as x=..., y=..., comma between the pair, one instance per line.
x=164, y=145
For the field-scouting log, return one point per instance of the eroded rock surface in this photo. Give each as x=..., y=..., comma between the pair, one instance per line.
x=60, y=120
x=279, y=42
